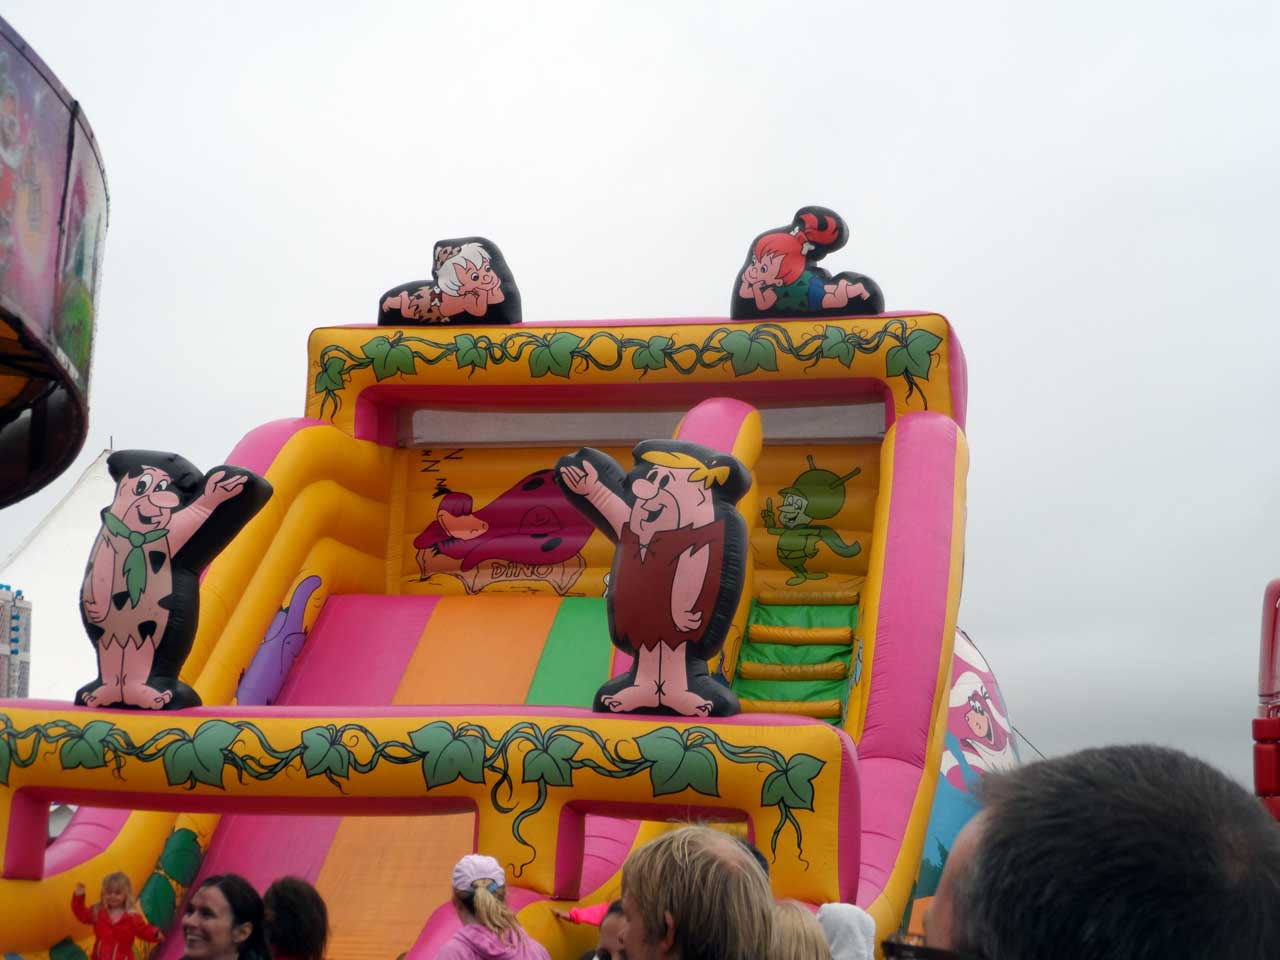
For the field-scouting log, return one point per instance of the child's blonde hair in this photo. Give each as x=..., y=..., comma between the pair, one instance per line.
x=797, y=935
x=119, y=881
x=488, y=902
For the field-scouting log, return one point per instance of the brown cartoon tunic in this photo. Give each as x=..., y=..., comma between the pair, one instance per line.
x=640, y=593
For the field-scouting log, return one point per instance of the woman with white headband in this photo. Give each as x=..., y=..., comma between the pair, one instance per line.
x=490, y=930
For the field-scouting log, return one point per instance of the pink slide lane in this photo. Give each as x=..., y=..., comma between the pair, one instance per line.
x=262, y=848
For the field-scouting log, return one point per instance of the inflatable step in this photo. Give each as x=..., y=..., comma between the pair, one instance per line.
x=830, y=670
x=818, y=709
x=798, y=658
x=809, y=598
x=799, y=636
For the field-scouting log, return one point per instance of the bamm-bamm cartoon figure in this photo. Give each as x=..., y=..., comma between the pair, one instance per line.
x=781, y=278
x=470, y=283
x=140, y=600
x=677, y=572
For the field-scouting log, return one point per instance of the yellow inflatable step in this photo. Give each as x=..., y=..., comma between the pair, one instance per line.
x=831, y=670
x=820, y=709
x=809, y=598
x=799, y=636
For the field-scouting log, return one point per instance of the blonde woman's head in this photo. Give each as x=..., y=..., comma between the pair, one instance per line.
x=797, y=934
x=698, y=892
x=480, y=896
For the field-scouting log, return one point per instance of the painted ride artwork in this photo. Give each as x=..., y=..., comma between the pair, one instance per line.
x=406, y=639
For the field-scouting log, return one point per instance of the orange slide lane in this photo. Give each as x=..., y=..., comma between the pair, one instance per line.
x=384, y=875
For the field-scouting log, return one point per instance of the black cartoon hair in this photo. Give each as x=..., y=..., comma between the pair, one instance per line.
x=186, y=479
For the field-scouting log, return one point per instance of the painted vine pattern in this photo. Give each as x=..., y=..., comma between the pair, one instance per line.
x=563, y=353
x=674, y=760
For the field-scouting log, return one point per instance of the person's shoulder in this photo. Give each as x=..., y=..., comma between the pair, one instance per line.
x=456, y=948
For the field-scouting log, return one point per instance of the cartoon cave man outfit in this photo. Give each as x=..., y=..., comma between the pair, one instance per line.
x=139, y=600
x=677, y=571
x=465, y=281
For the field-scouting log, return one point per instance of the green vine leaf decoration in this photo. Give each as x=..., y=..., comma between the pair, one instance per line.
x=555, y=356
x=748, y=353
x=674, y=761
x=88, y=749
x=389, y=358
x=909, y=355
x=6, y=755
x=836, y=347
x=552, y=766
x=792, y=786
x=200, y=759
x=677, y=766
x=914, y=357
x=446, y=756
x=324, y=753
x=330, y=376
x=470, y=354
x=653, y=355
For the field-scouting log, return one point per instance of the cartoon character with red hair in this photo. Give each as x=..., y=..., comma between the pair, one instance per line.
x=780, y=277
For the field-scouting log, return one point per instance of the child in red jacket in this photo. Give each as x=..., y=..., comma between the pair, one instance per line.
x=115, y=918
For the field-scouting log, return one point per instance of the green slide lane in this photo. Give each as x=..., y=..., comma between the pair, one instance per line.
x=576, y=657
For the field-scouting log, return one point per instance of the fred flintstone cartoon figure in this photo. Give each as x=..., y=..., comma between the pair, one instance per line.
x=677, y=572
x=140, y=599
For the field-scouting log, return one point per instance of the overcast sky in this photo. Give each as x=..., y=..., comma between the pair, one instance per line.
x=1088, y=191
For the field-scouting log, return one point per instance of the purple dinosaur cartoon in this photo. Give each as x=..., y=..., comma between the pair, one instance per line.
x=261, y=683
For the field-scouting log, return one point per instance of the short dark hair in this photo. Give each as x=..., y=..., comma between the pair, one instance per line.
x=246, y=907
x=615, y=909
x=1128, y=852
x=131, y=463
x=752, y=849
x=298, y=924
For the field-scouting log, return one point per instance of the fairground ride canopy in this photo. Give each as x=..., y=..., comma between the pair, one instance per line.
x=53, y=221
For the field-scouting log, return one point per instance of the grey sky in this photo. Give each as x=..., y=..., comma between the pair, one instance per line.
x=1087, y=190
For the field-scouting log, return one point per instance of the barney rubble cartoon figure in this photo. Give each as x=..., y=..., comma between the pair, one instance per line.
x=677, y=572
x=140, y=599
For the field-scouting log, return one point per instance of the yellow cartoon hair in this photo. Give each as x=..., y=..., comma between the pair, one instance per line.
x=683, y=461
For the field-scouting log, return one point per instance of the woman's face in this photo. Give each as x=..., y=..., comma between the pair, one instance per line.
x=209, y=930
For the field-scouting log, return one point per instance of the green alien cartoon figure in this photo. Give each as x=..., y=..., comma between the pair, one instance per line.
x=814, y=495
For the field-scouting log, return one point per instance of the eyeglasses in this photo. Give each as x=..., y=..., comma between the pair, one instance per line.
x=903, y=948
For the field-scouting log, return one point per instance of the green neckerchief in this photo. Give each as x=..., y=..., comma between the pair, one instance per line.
x=135, y=564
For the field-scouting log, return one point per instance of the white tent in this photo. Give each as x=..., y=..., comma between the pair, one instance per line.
x=48, y=567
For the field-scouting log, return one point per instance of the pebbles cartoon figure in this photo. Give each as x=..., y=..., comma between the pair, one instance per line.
x=677, y=572
x=781, y=278
x=140, y=602
x=470, y=283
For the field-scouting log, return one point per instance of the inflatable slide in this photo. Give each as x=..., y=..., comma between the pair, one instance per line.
x=402, y=657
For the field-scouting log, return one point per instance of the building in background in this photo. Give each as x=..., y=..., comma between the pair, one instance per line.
x=15, y=643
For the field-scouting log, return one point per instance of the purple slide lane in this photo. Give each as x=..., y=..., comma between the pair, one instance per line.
x=262, y=848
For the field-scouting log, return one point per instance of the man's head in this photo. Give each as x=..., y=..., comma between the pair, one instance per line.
x=1118, y=852
x=695, y=894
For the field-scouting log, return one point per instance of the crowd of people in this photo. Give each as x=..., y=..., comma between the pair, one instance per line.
x=224, y=919
x=1116, y=853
